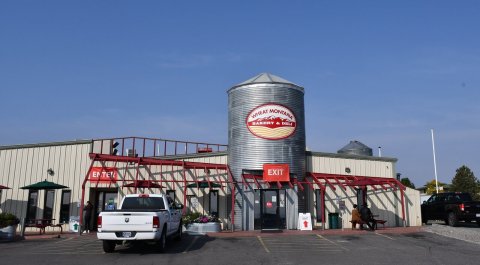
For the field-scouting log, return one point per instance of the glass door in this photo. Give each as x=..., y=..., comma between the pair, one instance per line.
x=32, y=205
x=270, y=209
x=49, y=199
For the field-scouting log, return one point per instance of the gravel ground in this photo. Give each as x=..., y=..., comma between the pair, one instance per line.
x=469, y=232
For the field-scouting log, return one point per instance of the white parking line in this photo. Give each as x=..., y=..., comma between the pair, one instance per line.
x=320, y=236
x=263, y=244
x=385, y=236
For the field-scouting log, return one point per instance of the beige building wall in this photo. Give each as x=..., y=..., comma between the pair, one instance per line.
x=27, y=164
x=386, y=203
x=23, y=165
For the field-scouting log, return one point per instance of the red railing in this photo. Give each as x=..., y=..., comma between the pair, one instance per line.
x=151, y=147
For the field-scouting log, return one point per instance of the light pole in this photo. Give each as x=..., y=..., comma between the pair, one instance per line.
x=434, y=161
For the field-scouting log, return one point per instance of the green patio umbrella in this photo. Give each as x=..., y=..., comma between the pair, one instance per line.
x=203, y=184
x=44, y=185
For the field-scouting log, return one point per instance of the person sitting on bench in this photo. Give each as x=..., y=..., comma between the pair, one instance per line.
x=367, y=217
x=356, y=219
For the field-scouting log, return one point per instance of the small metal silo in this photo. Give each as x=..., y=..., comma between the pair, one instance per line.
x=356, y=148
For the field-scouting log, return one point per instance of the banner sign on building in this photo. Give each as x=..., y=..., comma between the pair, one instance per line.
x=276, y=172
x=271, y=122
x=103, y=174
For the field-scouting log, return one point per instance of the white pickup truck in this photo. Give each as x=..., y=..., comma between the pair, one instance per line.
x=152, y=217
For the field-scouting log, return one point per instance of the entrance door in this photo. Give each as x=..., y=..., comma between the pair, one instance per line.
x=270, y=213
x=105, y=200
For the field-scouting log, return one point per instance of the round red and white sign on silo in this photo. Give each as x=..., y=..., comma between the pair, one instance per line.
x=271, y=121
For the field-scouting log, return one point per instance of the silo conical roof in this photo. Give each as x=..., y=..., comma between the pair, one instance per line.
x=267, y=78
x=356, y=148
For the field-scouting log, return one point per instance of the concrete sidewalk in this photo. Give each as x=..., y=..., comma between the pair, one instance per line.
x=255, y=233
x=349, y=231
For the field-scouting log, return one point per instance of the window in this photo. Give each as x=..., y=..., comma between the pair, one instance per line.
x=65, y=206
x=149, y=203
x=213, y=202
x=49, y=199
x=171, y=194
x=32, y=205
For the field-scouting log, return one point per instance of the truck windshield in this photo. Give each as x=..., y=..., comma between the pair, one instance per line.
x=459, y=197
x=143, y=203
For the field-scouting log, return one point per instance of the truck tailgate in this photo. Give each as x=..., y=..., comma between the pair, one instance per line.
x=128, y=221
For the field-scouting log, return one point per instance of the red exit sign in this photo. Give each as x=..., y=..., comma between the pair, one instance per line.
x=276, y=172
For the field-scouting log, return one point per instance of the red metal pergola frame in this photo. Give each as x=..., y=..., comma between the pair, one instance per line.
x=322, y=180
x=148, y=161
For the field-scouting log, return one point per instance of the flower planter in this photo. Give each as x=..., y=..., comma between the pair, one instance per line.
x=8, y=233
x=202, y=228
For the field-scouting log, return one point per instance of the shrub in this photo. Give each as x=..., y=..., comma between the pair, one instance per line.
x=198, y=218
x=8, y=219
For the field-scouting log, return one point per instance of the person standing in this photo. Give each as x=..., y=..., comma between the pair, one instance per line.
x=87, y=216
x=367, y=217
x=356, y=218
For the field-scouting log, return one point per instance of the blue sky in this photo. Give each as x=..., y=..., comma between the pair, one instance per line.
x=381, y=72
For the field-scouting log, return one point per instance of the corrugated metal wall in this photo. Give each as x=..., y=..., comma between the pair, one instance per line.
x=25, y=165
x=384, y=203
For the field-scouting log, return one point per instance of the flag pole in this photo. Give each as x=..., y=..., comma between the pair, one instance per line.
x=434, y=161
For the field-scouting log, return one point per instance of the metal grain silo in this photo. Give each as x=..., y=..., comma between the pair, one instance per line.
x=356, y=148
x=266, y=124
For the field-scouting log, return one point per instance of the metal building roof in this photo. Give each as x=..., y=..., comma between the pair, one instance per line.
x=266, y=78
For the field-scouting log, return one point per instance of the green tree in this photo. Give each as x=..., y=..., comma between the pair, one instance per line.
x=431, y=187
x=465, y=181
x=406, y=182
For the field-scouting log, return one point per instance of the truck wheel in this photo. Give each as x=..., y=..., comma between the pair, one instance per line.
x=424, y=221
x=108, y=246
x=178, y=235
x=452, y=219
x=163, y=240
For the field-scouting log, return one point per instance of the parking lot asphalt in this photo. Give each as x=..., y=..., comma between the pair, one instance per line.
x=391, y=246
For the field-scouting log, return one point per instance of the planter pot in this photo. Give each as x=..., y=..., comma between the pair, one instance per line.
x=8, y=233
x=202, y=228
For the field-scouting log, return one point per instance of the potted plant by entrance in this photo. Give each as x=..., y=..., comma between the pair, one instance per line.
x=8, y=226
x=197, y=224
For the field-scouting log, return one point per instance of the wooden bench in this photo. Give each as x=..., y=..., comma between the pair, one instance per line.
x=375, y=224
x=361, y=223
x=379, y=221
x=42, y=224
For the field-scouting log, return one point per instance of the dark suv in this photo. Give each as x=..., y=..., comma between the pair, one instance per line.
x=451, y=207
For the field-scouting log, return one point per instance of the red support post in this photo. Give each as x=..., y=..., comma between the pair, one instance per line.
x=230, y=176
x=83, y=195
x=322, y=194
x=184, y=189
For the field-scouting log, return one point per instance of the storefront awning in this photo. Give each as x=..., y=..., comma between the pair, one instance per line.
x=323, y=180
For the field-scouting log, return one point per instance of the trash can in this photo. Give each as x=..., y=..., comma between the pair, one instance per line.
x=74, y=223
x=333, y=221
